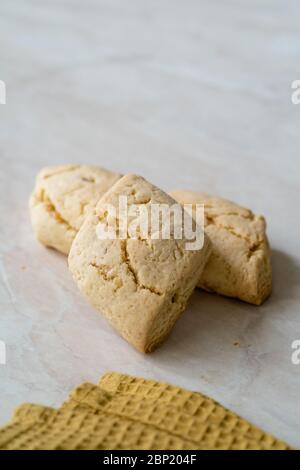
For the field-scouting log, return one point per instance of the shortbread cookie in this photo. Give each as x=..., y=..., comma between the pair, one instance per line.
x=62, y=198
x=240, y=264
x=141, y=285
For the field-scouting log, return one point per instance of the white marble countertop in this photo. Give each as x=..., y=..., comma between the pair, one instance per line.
x=192, y=94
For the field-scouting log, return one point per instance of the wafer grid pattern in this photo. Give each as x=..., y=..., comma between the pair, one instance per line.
x=124, y=412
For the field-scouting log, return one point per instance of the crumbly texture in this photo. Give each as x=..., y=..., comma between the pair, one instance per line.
x=62, y=198
x=140, y=285
x=240, y=264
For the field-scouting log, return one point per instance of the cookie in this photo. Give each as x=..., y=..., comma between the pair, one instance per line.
x=125, y=412
x=190, y=415
x=62, y=198
x=140, y=284
x=240, y=264
x=82, y=428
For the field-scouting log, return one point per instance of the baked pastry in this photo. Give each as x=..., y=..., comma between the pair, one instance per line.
x=62, y=198
x=141, y=285
x=130, y=413
x=240, y=264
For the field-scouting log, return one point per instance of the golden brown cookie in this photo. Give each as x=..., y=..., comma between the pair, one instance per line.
x=62, y=198
x=240, y=264
x=140, y=285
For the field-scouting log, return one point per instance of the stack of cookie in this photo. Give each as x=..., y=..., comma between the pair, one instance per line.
x=142, y=284
x=124, y=412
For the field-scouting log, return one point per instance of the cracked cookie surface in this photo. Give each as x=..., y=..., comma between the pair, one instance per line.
x=240, y=264
x=62, y=198
x=141, y=285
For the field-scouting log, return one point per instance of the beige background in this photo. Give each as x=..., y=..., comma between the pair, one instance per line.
x=194, y=94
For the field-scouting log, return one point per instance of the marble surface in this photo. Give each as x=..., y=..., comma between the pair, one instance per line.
x=192, y=94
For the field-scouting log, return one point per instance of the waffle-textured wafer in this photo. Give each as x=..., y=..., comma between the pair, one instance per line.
x=125, y=412
x=30, y=412
x=83, y=423
x=213, y=427
x=82, y=428
x=201, y=429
